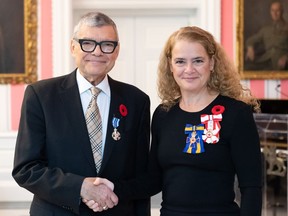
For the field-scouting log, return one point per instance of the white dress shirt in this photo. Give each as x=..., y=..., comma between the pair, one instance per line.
x=103, y=100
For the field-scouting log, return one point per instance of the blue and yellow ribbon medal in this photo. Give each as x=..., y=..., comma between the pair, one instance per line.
x=194, y=142
x=116, y=135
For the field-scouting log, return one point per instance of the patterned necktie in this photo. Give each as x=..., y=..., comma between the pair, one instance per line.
x=94, y=126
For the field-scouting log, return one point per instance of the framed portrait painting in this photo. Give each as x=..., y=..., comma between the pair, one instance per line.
x=262, y=39
x=18, y=41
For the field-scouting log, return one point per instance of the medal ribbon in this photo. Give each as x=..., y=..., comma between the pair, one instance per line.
x=212, y=127
x=115, y=122
x=194, y=143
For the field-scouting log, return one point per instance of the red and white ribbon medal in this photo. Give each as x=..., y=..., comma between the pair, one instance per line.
x=212, y=124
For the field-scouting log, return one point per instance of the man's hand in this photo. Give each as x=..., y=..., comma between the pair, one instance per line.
x=104, y=181
x=250, y=54
x=97, y=194
x=282, y=62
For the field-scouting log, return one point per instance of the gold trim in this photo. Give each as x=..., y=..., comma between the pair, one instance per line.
x=274, y=144
x=30, y=48
x=240, y=50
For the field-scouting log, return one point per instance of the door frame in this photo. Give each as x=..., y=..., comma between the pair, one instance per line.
x=204, y=13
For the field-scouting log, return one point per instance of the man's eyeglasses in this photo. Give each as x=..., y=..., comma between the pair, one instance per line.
x=89, y=46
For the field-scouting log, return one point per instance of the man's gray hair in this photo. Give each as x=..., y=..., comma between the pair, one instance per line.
x=95, y=19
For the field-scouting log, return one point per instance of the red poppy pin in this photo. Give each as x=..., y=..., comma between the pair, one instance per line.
x=123, y=110
x=218, y=109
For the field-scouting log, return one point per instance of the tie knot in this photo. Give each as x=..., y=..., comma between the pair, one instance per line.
x=95, y=91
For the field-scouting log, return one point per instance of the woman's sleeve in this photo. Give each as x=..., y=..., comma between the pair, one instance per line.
x=246, y=156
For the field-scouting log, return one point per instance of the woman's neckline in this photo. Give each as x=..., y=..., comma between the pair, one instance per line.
x=194, y=108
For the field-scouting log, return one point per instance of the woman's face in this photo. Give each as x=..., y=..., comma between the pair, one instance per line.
x=191, y=66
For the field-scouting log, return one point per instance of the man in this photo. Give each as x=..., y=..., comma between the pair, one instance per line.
x=53, y=155
x=268, y=48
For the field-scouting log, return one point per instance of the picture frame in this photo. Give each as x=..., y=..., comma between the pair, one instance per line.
x=18, y=42
x=247, y=26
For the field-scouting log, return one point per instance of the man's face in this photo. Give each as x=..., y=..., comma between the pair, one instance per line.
x=94, y=65
x=276, y=11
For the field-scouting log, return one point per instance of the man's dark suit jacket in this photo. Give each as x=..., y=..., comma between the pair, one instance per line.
x=53, y=153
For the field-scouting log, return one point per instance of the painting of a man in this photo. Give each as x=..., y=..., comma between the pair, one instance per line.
x=2, y=54
x=267, y=49
x=12, y=37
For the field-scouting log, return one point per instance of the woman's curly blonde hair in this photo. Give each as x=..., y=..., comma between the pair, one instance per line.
x=224, y=78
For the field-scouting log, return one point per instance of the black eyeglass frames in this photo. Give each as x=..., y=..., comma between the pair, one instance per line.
x=89, y=46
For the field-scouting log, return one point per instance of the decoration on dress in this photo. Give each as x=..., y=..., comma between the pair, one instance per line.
x=194, y=142
x=212, y=124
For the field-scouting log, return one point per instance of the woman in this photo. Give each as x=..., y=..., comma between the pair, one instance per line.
x=203, y=134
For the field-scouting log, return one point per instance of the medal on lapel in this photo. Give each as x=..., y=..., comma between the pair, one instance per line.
x=116, y=135
x=116, y=121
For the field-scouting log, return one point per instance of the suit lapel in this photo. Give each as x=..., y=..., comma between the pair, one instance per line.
x=73, y=109
x=72, y=104
x=116, y=100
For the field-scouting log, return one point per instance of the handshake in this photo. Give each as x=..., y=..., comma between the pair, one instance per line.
x=97, y=193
